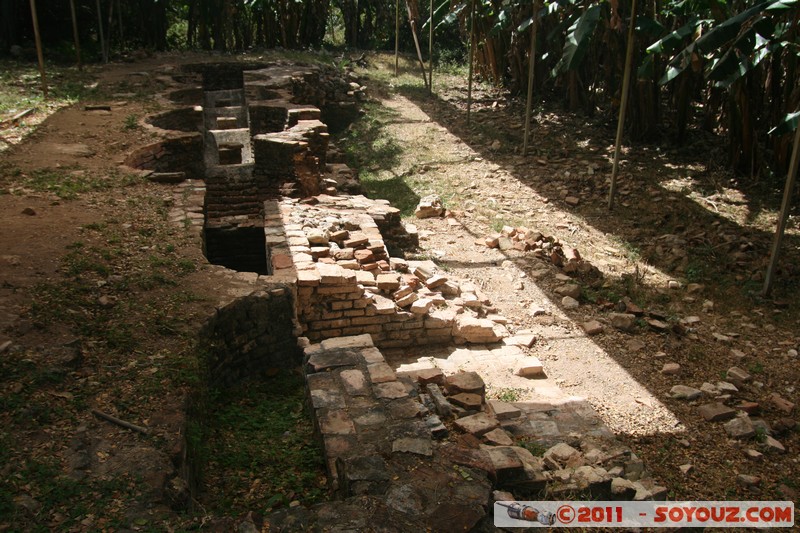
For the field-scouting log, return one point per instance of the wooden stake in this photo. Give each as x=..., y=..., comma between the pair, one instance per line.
x=396, y=35
x=532, y=61
x=100, y=28
x=412, y=21
x=623, y=107
x=784, y=214
x=430, y=52
x=39, y=47
x=471, y=56
x=75, y=34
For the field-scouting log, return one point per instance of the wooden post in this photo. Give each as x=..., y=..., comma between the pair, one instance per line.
x=39, y=53
x=75, y=34
x=100, y=32
x=412, y=21
x=784, y=214
x=532, y=61
x=623, y=106
x=471, y=56
x=430, y=52
x=119, y=19
x=396, y=35
x=110, y=26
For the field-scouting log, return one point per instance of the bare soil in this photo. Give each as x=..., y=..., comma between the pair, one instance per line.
x=687, y=242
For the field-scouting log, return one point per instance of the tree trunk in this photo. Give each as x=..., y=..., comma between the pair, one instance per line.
x=741, y=126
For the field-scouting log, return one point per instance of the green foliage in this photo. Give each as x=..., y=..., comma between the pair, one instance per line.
x=506, y=395
x=578, y=38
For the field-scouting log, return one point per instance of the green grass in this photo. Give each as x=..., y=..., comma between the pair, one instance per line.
x=131, y=122
x=68, y=184
x=261, y=448
x=506, y=395
x=20, y=86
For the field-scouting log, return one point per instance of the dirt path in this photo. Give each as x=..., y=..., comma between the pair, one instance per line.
x=665, y=249
x=519, y=285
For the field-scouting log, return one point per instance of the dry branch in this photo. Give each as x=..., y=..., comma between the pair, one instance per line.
x=121, y=423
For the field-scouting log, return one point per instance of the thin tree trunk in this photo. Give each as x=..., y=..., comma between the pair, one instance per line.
x=39, y=54
x=75, y=34
x=100, y=30
x=531, y=70
x=626, y=81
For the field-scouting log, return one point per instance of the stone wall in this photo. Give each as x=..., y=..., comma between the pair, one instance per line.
x=251, y=335
x=296, y=155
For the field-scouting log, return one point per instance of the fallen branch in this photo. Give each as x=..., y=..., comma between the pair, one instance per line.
x=122, y=423
x=16, y=118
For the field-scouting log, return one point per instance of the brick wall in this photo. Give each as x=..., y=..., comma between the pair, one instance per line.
x=250, y=335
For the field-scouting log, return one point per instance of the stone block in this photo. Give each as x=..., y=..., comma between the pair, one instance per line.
x=354, y=382
x=470, y=382
x=388, y=282
x=390, y=390
x=421, y=306
x=443, y=407
x=324, y=360
x=498, y=437
x=476, y=330
x=357, y=341
x=381, y=373
x=503, y=410
x=530, y=367
x=407, y=300
x=716, y=412
x=466, y=400
x=335, y=422
x=477, y=424
x=418, y=446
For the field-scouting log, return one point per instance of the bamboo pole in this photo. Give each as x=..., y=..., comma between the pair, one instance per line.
x=623, y=107
x=39, y=53
x=100, y=31
x=119, y=20
x=471, y=56
x=75, y=34
x=396, y=36
x=784, y=214
x=110, y=26
x=430, y=51
x=531, y=62
x=413, y=24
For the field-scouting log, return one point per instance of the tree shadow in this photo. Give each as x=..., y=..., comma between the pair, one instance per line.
x=681, y=228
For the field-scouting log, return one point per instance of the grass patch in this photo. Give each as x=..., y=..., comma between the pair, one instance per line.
x=506, y=395
x=261, y=448
x=68, y=184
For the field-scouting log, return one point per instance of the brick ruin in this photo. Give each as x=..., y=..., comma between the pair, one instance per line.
x=274, y=198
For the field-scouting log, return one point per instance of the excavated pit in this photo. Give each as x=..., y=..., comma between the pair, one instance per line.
x=241, y=249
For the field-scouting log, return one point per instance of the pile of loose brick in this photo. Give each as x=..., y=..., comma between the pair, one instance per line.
x=524, y=239
x=347, y=283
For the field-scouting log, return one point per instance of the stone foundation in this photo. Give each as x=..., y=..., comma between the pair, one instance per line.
x=432, y=454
